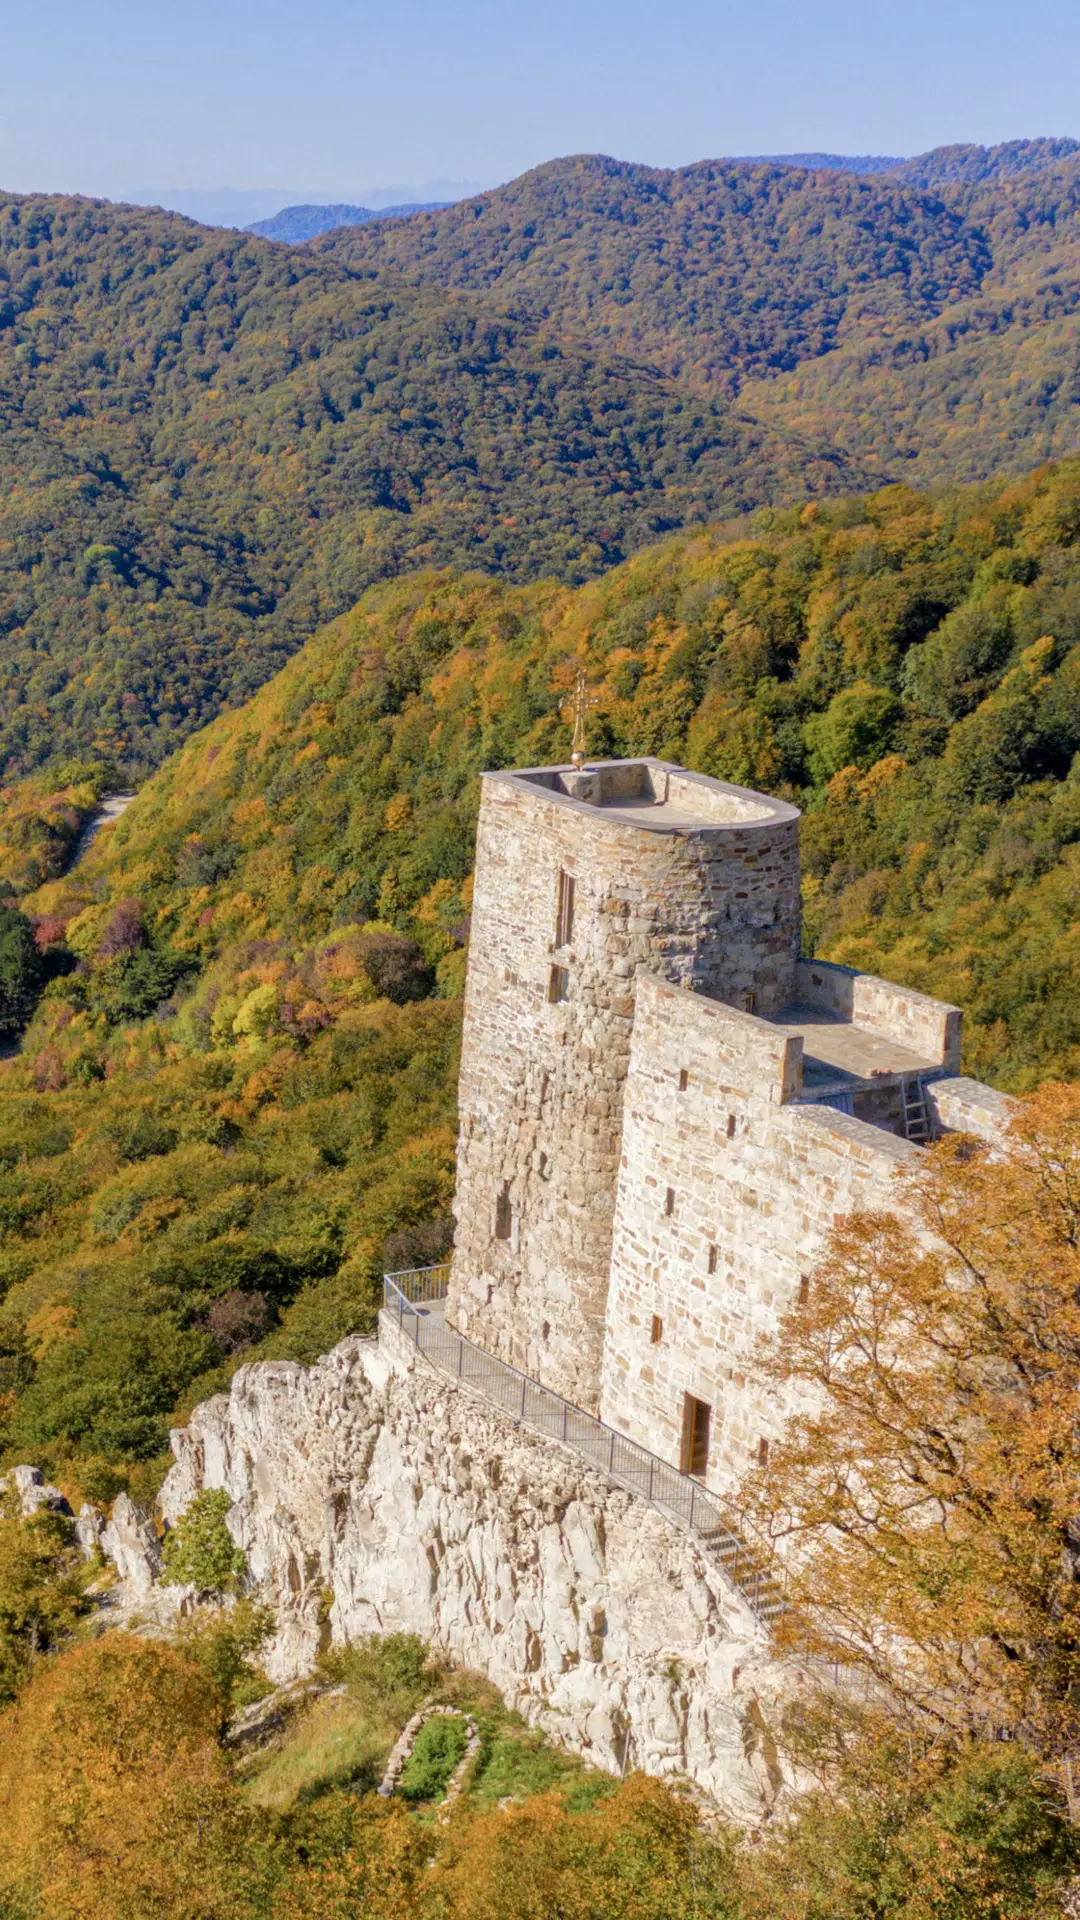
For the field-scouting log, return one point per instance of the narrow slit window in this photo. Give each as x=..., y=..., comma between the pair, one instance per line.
x=749, y=1001
x=564, y=912
x=657, y=1331
x=714, y=1258
x=763, y=1452
x=731, y=1126
x=504, y=1215
x=559, y=986
x=684, y=1081
x=669, y=1201
x=804, y=1289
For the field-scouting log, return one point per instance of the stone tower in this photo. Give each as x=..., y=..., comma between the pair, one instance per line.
x=583, y=877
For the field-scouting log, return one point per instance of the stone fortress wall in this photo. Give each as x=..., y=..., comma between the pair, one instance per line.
x=672, y=872
x=728, y=1187
x=664, y=1110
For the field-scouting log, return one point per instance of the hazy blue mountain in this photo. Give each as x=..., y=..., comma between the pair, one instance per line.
x=835, y=162
x=296, y=224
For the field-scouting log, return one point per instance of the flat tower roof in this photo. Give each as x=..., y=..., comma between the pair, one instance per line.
x=655, y=795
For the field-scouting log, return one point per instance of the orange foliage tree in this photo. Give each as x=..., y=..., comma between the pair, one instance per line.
x=116, y=1801
x=930, y=1503
x=639, y=1855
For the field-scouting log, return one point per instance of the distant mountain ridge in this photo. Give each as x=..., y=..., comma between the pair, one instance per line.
x=942, y=165
x=825, y=162
x=295, y=225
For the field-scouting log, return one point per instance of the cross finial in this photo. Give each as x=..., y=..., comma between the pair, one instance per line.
x=584, y=701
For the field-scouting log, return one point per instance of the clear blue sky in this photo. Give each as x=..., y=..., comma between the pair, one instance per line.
x=106, y=96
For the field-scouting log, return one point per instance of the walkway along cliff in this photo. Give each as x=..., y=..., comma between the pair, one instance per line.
x=663, y=1111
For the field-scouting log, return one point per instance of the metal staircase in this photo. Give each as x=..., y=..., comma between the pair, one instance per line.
x=748, y=1569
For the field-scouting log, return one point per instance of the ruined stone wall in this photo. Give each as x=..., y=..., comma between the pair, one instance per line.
x=754, y=1181
x=413, y=1507
x=541, y=1085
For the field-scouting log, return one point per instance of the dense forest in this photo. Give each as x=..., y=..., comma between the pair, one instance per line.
x=235, y=1100
x=209, y=443
x=917, y=319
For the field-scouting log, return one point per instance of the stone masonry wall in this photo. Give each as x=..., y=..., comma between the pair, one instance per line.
x=411, y=1506
x=966, y=1106
x=756, y=1180
x=542, y=1084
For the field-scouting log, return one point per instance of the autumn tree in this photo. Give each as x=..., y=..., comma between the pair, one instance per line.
x=929, y=1506
x=116, y=1801
x=901, y=1832
x=640, y=1854
x=43, y=1580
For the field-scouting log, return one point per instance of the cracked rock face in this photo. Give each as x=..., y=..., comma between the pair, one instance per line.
x=374, y=1499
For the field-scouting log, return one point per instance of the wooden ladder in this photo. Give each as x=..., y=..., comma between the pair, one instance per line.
x=918, y=1125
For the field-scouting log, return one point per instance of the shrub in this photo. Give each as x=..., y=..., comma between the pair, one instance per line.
x=199, y=1549
x=224, y=1642
x=20, y=968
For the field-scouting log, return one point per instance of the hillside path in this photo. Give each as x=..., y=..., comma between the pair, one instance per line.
x=111, y=807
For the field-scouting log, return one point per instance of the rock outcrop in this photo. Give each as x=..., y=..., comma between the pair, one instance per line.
x=30, y=1488
x=130, y=1541
x=373, y=1497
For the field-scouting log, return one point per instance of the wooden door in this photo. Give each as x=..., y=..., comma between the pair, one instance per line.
x=695, y=1436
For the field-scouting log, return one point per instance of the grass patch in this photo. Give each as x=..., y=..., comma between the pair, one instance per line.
x=332, y=1745
x=439, y=1745
x=344, y=1740
x=516, y=1762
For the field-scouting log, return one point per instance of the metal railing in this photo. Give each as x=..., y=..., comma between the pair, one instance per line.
x=414, y=1299
x=419, y=1285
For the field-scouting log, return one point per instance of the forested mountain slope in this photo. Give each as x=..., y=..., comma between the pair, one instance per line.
x=921, y=320
x=235, y=1100
x=209, y=443
x=716, y=271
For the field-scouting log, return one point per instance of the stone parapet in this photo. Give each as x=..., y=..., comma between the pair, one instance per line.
x=965, y=1106
x=929, y=1027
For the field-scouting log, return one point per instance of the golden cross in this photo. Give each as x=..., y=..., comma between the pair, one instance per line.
x=585, y=700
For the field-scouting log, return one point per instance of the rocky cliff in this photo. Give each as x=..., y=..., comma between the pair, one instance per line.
x=371, y=1495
